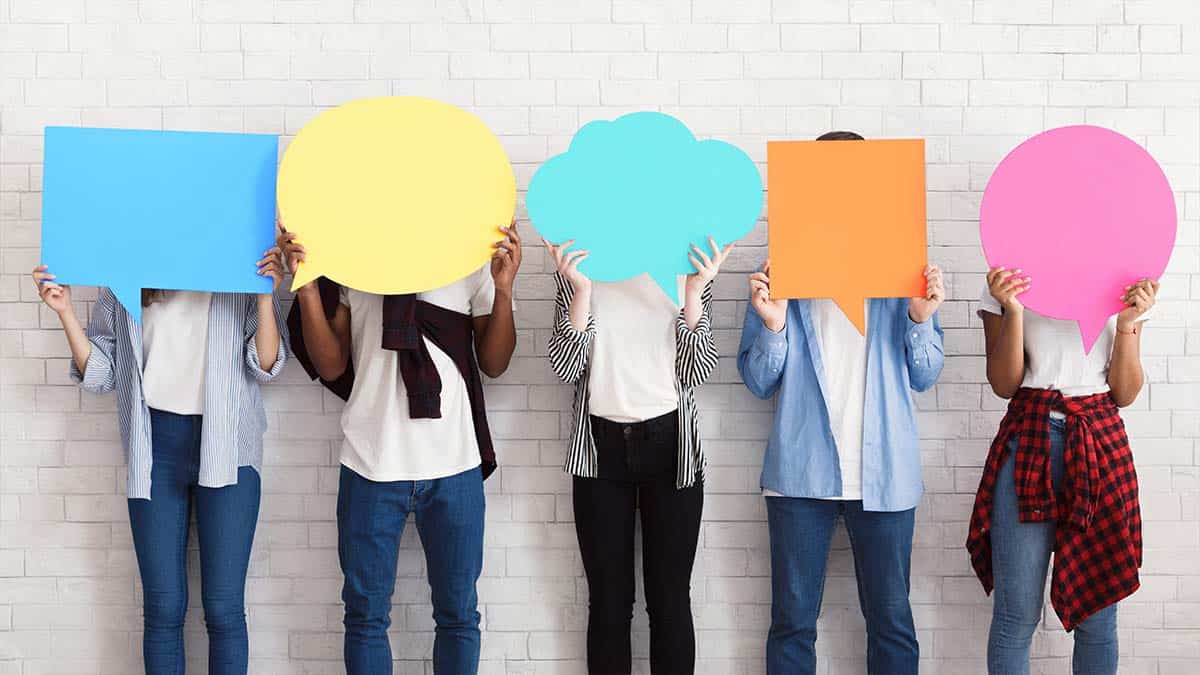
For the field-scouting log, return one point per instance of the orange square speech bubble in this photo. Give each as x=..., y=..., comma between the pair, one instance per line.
x=846, y=221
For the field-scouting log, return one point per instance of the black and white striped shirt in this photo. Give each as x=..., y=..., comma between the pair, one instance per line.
x=234, y=417
x=695, y=360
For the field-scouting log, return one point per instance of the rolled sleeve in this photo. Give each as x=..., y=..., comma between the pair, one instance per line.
x=253, y=364
x=695, y=349
x=98, y=377
x=923, y=351
x=761, y=355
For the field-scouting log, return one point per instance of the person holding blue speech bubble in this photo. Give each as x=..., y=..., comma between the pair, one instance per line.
x=416, y=439
x=192, y=422
x=634, y=356
x=843, y=444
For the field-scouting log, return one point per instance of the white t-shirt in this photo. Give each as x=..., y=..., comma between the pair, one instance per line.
x=632, y=370
x=175, y=351
x=844, y=359
x=1054, y=356
x=382, y=443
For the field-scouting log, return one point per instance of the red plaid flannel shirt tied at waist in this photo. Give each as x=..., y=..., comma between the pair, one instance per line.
x=1098, y=541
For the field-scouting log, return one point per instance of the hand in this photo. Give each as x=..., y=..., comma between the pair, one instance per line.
x=1005, y=285
x=292, y=254
x=271, y=265
x=567, y=262
x=1138, y=299
x=772, y=312
x=56, y=296
x=706, y=266
x=920, y=309
x=507, y=258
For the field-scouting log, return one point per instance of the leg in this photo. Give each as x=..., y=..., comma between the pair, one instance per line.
x=449, y=514
x=1020, y=558
x=604, y=524
x=670, y=531
x=160, y=532
x=1096, y=649
x=225, y=521
x=882, y=546
x=801, y=531
x=370, y=518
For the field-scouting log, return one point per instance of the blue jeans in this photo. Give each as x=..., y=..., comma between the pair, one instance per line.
x=1020, y=560
x=449, y=515
x=225, y=521
x=801, y=531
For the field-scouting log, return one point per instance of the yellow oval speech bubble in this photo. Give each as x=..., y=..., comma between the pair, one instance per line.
x=398, y=194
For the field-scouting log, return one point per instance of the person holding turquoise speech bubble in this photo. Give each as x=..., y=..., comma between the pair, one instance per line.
x=635, y=356
x=635, y=344
x=192, y=421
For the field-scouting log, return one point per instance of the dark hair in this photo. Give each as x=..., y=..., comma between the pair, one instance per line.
x=840, y=136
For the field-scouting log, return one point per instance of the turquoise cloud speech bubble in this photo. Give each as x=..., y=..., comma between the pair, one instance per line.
x=638, y=190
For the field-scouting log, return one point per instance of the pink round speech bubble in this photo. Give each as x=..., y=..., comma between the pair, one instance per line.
x=1084, y=212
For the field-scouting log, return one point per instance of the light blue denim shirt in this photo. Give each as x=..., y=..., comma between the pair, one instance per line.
x=234, y=417
x=801, y=458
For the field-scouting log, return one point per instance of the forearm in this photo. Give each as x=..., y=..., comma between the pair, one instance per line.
x=77, y=340
x=328, y=354
x=580, y=308
x=500, y=339
x=1125, y=375
x=266, y=337
x=1006, y=359
x=693, y=306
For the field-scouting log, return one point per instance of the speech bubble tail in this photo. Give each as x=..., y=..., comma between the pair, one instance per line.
x=131, y=299
x=854, y=310
x=305, y=273
x=669, y=282
x=1090, y=329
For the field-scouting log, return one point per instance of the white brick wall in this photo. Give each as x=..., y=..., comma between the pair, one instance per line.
x=974, y=78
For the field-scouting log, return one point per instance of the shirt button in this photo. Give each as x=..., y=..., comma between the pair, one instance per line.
x=627, y=432
x=914, y=335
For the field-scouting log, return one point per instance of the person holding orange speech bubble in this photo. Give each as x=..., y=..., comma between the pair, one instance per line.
x=843, y=444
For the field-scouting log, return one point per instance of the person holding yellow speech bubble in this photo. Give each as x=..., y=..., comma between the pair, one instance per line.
x=416, y=438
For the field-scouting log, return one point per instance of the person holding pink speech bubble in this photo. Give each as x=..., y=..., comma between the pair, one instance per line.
x=1059, y=478
x=192, y=420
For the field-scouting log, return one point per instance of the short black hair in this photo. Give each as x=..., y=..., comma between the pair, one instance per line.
x=840, y=136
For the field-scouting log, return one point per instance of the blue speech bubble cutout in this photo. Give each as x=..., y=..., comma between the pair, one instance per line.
x=636, y=191
x=133, y=209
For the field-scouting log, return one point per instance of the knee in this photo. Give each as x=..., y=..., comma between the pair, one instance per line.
x=610, y=611
x=1015, y=620
x=224, y=615
x=668, y=603
x=164, y=610
x=1099, y=628
x=367, y=610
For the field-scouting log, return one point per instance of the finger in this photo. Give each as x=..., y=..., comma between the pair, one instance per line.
x=712, y=244
x=512, y=233
x=759, y=276
x=766, y=268
x=576, y=260
x=696, y=263
x=700, y=254
x=758, y=286
x=726, y=251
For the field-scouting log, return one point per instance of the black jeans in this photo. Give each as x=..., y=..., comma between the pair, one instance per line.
x=636, y=472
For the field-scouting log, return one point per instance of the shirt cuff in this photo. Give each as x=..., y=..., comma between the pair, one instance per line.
x=918, y=333
x=772, y=343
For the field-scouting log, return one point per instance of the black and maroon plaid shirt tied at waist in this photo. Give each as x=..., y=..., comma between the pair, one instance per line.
x=1098, y=541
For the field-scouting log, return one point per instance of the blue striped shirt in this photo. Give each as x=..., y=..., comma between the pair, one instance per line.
x=234, y=417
